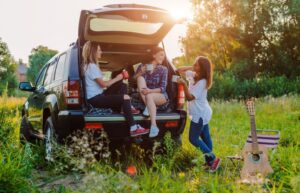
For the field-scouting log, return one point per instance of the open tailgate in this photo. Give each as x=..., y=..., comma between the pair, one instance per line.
x=125, y=24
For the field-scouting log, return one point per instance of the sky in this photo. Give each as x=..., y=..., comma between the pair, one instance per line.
x=25, y=24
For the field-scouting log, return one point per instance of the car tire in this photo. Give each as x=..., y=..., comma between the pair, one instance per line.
x=25, y=134
x=50, y=140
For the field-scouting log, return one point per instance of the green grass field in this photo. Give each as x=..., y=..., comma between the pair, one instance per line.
x=22, y=168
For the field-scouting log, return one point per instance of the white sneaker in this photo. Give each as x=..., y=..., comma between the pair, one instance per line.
x=146, y=112
x=153, y=131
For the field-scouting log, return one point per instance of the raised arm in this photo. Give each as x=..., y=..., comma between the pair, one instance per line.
x=183, y=69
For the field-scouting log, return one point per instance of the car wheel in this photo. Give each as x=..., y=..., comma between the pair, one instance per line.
x=25, y=131
x=50, y=140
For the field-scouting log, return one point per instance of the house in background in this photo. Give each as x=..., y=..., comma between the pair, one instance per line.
x=21, y=72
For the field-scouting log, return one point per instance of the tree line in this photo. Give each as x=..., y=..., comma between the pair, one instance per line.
x=8, y=65
x=253, y=44
x=249, y=38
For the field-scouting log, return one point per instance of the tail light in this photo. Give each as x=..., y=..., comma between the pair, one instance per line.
x=93, y=126
x=169, y=124
x=71, y=89
x=180, y=97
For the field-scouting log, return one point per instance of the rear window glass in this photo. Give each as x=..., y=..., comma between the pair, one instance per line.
x=123, y=24
x=60, y=67
x=49, y=73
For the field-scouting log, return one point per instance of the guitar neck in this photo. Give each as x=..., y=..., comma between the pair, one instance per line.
x=254, y=134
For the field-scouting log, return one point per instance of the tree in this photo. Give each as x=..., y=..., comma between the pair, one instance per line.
x=247, y=37
x=38, y=57
x=8, y=81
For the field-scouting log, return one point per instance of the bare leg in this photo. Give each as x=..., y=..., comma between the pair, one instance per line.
x=154, y=99
x=141, y=83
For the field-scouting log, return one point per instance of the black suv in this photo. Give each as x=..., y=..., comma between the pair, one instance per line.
x=126, y=33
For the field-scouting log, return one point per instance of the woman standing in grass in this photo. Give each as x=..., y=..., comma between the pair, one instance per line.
x=199, y=109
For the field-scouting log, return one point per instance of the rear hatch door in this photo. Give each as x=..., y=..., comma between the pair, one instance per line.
x=125, y=24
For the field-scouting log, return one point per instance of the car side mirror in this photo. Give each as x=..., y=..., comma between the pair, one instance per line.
x=26, y=86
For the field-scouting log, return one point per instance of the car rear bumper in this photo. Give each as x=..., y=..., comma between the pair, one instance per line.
x=118, y=117
x=68, y=121
x=115, y=124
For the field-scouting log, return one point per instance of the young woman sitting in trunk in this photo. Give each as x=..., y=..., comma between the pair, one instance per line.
x=112, y=97
x=152, y=85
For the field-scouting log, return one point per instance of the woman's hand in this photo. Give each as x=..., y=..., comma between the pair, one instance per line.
x=181, y=81
x=145, y=91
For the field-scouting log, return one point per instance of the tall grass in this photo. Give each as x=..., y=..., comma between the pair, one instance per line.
x=177, y=170
x=16, y=160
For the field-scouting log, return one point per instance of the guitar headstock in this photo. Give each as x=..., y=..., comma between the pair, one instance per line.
x=250, y=107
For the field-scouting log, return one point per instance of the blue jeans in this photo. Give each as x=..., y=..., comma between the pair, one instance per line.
x=197, y=131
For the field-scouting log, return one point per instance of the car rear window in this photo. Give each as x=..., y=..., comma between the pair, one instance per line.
x=115, y=23
x=60, y=67
x=49, y=73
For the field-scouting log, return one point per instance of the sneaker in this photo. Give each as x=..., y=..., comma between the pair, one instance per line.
x=139, y=131
x=135, y=111
x=153, y=131
x=146, y=112
x=215, y=165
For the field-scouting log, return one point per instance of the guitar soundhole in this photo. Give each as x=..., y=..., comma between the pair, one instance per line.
x=256, y=157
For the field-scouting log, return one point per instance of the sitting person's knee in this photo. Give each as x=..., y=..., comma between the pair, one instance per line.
x=126, y=97
x=140, y=78
x=149, y=96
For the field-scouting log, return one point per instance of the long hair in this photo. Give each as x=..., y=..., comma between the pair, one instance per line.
x=206, y=71
x=157, y=49
x=89, y=54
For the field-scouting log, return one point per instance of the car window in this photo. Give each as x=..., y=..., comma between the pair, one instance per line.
x=60, y=67
x=40, y=79
x=49, y=73
x=113, y=23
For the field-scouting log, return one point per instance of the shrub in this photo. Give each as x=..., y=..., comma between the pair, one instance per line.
x=226, y=86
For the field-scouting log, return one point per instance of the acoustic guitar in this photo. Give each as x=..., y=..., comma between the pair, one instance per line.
x=256, y=163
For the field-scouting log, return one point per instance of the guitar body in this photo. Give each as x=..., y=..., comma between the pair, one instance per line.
x=256, y=163
x=256, y=166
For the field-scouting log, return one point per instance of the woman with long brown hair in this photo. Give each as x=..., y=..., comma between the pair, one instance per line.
x=111, y=97
x=199, y=108
x=152, y=79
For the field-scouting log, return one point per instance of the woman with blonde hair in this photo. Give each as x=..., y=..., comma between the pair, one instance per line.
x=112, y=97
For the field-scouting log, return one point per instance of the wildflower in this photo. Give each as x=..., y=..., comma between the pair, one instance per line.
x=181, y=174
x=131, y=170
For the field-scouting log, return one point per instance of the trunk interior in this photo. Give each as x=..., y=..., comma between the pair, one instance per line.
x=115, y=58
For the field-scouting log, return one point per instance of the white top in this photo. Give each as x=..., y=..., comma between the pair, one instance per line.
x=199, y=107
x=92, y=71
